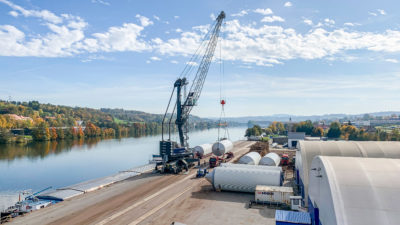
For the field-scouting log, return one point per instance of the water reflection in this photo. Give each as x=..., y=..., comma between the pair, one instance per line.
x=36, y=150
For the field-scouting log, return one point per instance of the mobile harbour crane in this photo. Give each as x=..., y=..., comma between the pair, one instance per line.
x=175, y=157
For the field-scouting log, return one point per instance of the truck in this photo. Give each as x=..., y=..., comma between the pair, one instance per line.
x=216, y=161
x=285, y=160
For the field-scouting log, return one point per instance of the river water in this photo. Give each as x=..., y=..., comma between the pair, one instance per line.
x=40, y=165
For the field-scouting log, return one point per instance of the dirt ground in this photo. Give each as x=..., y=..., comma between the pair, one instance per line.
x=156, y=199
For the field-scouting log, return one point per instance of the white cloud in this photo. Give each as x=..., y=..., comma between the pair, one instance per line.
x=349, y=24
x=192, y=63
x=263, y=45
x=241, y=13
x=213, y=16
x=43, y=14
x=372, y=14
x=179, y=30
x=287, y=4
x=174, y=62
x=124, y=38
x=269, y=45
x=144, y=20
x=13, y=13
x=270, y=19
x=101, y=2
x=381, y=11
x=392, y=60
x=156, y=18
x=155, y=58
x=176, y=17
x=329, y=21
x=266, y=11
x=308, y=22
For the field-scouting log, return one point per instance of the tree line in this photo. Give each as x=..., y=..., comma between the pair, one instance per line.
x=24, y=121
x=335, y=131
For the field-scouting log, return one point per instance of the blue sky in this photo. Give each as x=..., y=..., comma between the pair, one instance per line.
x=294, y=57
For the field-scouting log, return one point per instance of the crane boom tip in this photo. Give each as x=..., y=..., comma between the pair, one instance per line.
x=221, y=16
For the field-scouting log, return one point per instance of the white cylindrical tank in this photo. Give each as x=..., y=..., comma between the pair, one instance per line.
x=270, y=159
x=202, y=150
x=242, y=179
x=251, y=158
x=252, y=166
x=221, y=147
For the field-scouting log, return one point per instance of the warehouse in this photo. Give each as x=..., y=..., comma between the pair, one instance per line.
x=354, y=191
x=307, y=150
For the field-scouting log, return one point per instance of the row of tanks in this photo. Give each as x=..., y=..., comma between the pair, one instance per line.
x=254, y=158
x=221, y=150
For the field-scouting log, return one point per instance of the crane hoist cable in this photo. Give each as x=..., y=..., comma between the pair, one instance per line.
x=222, y=124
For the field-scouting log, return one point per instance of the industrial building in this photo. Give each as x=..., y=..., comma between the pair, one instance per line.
x=307, y=150
x=354, y=190
x=294, y=138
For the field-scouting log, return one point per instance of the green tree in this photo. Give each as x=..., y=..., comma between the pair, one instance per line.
x=306, y=127
x=60, y=133
x=317, y=132
x=41, y=132
x=334, y=130
x=5, y=136
x=254, y=131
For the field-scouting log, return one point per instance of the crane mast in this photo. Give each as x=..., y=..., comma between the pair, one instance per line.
x=185, y=102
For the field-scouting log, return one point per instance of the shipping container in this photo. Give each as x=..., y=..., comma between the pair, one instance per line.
x=273, y=194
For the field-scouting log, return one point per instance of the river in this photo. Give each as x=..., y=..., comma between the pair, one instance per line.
x=59, y=164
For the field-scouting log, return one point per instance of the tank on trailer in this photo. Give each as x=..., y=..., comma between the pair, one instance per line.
x=221, y=147
x=270, y=159
x=242, y=179
x=202, y=150
x=251, y=158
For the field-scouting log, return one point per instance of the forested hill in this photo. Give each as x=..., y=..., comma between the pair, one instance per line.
x=139, y=116
x=25, y=114
x=24, y=121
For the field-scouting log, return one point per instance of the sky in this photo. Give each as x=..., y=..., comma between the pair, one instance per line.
x=279, y=57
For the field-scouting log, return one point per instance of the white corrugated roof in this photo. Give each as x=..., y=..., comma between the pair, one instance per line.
x=368, y=149
x=362, y=190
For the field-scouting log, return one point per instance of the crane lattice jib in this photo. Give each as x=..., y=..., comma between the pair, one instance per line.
x=201, y=74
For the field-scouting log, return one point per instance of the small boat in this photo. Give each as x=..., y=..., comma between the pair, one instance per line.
x=29, y=204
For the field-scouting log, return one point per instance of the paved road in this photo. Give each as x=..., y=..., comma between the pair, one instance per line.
x=133, y=201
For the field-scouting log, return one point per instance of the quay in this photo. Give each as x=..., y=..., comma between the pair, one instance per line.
x=152, y=198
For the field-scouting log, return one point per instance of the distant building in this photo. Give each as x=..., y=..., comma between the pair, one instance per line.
x=281, y=140
x=294, y=137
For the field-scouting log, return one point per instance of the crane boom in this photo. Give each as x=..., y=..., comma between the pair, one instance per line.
x=183, y=110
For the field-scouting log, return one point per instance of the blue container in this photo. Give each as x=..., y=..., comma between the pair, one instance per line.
x=179, y=150
x=283, y=217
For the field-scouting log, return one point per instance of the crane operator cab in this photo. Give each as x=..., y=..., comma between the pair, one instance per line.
x=190, y=100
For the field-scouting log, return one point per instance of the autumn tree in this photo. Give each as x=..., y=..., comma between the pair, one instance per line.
x=80, y=133
x=53, y=134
